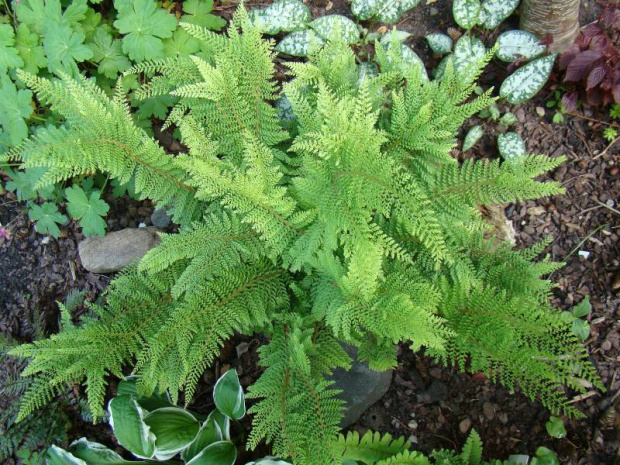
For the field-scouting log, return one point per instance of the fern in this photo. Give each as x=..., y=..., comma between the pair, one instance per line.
x=357, y=226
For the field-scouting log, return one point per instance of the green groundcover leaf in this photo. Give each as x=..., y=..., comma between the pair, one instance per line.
x=174, y=429
x=14, y=109
x=472, y=137
x=228, y=396
x=127, y=421
x=28, y=45
x=9, y=56
x=199, y=13
x=511, y=145
x=88, y=211
x=108, y=53
x=466, y=12
x=46, y=218
x=64, y=49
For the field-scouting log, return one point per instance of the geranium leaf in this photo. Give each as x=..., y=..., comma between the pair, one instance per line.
x=511, y=145
x=9, y=56
x=88, y=211
x=28, y=45
x=108, y=53
x=46, y=216
x=15, y=108
x=181, y=44
x=524, y=83
x=199, y=12
x=144, y=25
x=64, y=49
x=517, y=44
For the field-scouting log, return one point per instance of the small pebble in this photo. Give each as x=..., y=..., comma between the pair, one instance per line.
x=433, y=11
x=413, y=424
x=584, y=253
x=540, y=111
x=464, y=425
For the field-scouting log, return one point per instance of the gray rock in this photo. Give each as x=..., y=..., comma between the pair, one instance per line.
x=361, y=387
x=117, y=249
x=160, y=218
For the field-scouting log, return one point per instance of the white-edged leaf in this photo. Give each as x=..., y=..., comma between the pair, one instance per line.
x=174, y=429
x=467, y=54
x=325, y=26
x=228, y=395
x=210, y=432
x=281, y=15
x=440, y=44
x=269, y=460
x=472, y=137
x=395, y=34
x=299, y=43
x=95, y=453
x=494, y=12
x=517, y=44
x=466, y=12
x=219, y=453
x=525, y=82
x=511, y=145
x=127, y=422
x=59, y=456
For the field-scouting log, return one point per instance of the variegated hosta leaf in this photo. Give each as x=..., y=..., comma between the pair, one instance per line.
x=298, y=43
x=281, y=15
x=525, y=82
x=466, y=12
x=365, y=9
x=398, y=36
x=472, y=137
x=441, y=67
x=385, y=11
x=439, y=43
x=511, y=145
x=410, y=58
x=325, y=26
x=517, y=44
x=494, y=12
x=467, y=52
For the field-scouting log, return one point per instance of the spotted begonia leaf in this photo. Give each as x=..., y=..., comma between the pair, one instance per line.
x=440, y=44
x=466, y=12
x=517, y=44
x=298, y=43
x=494, y=12
x=472, y=137
x=524, y=83
x=467, y=53
x=282, y=15
x=511, y=145
x=325, y=26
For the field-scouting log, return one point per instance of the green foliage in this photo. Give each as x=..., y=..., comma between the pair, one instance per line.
x=555, y=427
x=357, y=226
x=610, y=134
x=198, y=12
x=87, y=210
x=46, y=218
x=14, y=110
x=614, y=111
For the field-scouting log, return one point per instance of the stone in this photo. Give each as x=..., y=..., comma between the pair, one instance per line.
x=436, y=392
x=117, y=249
x=160, y=218
x=464, y=425
x=489, y=410
x=361, y=387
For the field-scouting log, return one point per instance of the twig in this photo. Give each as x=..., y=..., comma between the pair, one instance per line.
x=607, y=148
x=607, y=206
x=585, y=396
x=585, y=239
x=593, y=119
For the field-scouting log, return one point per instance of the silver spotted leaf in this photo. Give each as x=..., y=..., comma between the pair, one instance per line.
x=325, y=26
x=440, y=44
x=511, y=145
x=525, y=82
x=508, y=119
x=385, y=11
x=472, y=137
x=365, y=9
x=398, y=36
x=409, y=58
x=441, y=67
x=299, y=43
x=466, y=12
x=515, y=45
x=494, y=12
x=468, y=52
x=281, y=15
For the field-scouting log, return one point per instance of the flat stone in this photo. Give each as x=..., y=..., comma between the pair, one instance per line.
x=117, y=249
x=160, y=218
x=464, y=425
x=361, y=387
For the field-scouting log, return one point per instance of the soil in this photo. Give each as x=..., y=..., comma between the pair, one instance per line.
x=38, y=272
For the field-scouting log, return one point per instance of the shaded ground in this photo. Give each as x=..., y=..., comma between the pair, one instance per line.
x=36, y=274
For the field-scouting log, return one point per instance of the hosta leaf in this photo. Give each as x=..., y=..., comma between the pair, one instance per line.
x=95, y=453
x=472, y=137
x=517, y=44
x=174, y=429
x=228, y=395
x=59, y=456
x=219, y=453
x=439, y=43
x=282, y=15
x=325, y=26
x=210, y=432
x=9, y=56
x=524, y=83
x=298, y=43
x=127, y=421
x=511, y=145
x=467, y=53
x=46, y=216
x=494, y=12
x=466, y=12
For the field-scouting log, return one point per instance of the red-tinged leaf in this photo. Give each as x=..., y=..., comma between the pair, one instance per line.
x=592, y=30
x=596, y=76
x=595, y=97
x=580, y=67
x=569, y=100
x=569, y=55
x=479, y=377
